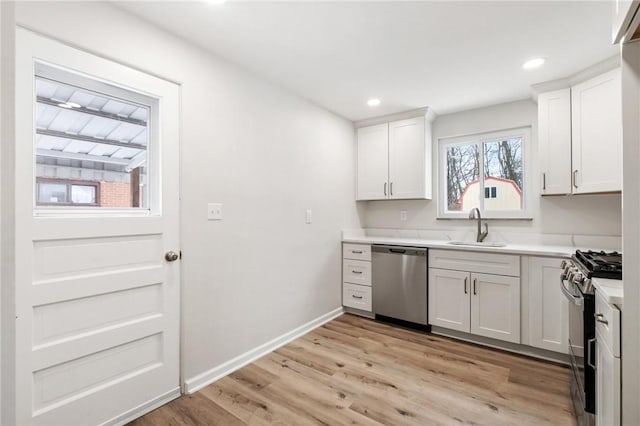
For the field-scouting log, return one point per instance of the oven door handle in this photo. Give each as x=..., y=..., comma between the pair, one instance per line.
x=576, y=300
x=590, y=343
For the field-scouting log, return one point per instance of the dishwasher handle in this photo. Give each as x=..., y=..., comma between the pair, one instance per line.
x=401, y=250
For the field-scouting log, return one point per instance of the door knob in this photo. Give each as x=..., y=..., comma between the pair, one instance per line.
x=171, y=256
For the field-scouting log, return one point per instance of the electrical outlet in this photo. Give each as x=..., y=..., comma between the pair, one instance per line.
x=403, y=215
x=214, y=211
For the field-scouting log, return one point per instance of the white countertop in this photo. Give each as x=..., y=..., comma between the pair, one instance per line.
x=612, y=290
x=523, y=249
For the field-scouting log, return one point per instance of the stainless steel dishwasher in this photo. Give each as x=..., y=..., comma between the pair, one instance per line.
x=399, y=281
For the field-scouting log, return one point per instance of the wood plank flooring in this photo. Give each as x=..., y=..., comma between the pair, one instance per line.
x=357, y=371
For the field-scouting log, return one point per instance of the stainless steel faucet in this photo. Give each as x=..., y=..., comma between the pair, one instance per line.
x=475, y=214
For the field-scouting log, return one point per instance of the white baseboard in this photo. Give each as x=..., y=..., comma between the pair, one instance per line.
x=201, y=380
x=143, y=409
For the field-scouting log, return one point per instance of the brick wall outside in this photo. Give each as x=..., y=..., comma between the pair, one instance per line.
x=115, y=194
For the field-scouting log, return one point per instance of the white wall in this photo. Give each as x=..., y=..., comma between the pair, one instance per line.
x=267, y=155
x=570, y=215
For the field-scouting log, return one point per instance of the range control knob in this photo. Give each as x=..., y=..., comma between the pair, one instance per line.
x=578, y=278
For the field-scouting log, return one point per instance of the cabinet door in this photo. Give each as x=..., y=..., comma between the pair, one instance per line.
x=554, y=141
x=495, y=307
x=607, y=386
x=449, y=299
x=407, y=160
x=373, y=162
x=597, y=134
x=548, y=308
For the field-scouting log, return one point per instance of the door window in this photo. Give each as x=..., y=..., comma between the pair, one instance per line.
x=92, y=143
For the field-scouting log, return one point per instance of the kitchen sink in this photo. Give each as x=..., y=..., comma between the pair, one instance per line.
x=476, y=244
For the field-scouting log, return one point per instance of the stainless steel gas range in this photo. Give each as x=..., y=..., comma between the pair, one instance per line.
x=576, y=285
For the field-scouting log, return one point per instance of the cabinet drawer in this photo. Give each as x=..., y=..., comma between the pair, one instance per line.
x=356, y=251
x=356, y=296
x=484, y=263
x=356, y=272
x=608, y=325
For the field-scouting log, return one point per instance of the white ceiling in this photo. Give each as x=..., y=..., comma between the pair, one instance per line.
x=450, y=56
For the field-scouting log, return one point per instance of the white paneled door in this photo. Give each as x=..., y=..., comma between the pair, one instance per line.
x=97, y=290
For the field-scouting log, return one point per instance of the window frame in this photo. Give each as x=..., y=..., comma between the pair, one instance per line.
x=479, y=139
x=72, y=77
x=69, y=184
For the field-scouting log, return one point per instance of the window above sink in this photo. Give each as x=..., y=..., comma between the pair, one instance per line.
x=488, y=171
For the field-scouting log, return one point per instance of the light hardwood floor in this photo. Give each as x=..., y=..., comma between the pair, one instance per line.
x=357, y=371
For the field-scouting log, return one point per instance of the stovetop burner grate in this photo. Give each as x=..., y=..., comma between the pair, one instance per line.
x=601, y=264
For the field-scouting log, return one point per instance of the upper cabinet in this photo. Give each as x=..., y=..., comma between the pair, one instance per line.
x=580, y=137
x=554, y=141
x=373, y=162
x=394, y=160
x=596, y=125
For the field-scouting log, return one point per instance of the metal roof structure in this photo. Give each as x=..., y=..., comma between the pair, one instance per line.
x=79, y=128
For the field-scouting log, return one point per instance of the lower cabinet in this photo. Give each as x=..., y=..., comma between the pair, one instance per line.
x=607, y=385
x=548, y=307
x=449, y=299
x=482, y=304
x=608, y=380
x=356, y=296
x=356, y=277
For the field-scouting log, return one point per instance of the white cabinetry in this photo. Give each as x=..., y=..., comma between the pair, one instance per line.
x=548, y=308
x=394, y=160
x=356, y=276
x=495, y=307
x=468, y=299
x=373, y=162
x=449, y=299
x=554, y=141
x=608, y=380
x=596, y=123
x=580, y=137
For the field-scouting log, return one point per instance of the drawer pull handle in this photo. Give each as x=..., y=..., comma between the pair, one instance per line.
x=356, y=272
x=356, y=297
x=602, y=319
x=356, y=251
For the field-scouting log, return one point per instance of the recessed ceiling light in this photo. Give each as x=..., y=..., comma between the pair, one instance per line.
x=65, y=105
x=373, y=102
x=73, y=105
x=533, y=63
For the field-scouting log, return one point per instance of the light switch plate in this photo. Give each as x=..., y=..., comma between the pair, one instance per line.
x=308, y=216
x=214, y=211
